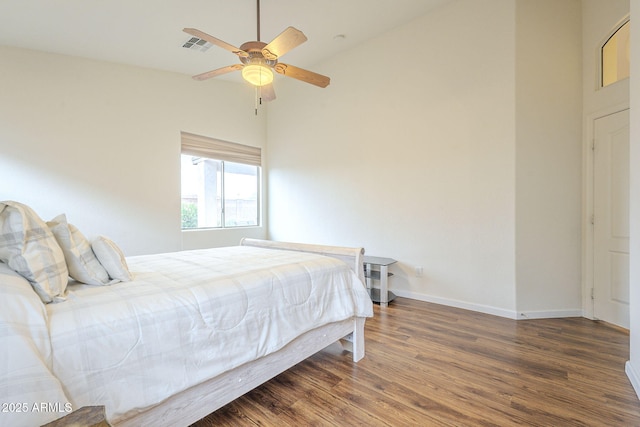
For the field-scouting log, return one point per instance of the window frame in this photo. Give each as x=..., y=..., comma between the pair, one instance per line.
x=224, y=152
x=601, y=46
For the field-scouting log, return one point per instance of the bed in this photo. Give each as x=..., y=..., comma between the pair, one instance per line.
x=191, y=332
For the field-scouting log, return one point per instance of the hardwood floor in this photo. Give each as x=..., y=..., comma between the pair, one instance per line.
x=431, y=365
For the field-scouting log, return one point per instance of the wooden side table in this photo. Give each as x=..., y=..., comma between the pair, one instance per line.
x=382, y=295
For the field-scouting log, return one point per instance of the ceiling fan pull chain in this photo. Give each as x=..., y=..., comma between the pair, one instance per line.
x=258, y=100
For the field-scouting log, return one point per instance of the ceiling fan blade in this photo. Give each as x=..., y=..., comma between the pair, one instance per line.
x=267, y=93
x=217, y=42
x=303, y=75
x=218, y=72
x=283, y=43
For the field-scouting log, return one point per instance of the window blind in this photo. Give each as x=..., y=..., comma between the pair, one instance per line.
x=198, y=145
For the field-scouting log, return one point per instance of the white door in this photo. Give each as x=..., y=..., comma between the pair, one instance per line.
x=611, y=219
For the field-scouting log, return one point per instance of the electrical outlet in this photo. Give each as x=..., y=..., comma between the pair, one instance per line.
x=419, y=271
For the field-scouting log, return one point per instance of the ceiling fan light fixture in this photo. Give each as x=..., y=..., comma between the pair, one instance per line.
x=257, y=74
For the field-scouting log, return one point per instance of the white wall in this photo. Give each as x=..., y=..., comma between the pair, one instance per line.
x=410, y=153
x=548, y=157
x=452, y=143
x=101, y=143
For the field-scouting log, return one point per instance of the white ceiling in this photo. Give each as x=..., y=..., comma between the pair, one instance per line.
x=148, y=33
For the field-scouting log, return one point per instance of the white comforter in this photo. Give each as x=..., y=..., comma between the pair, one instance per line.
x=187, y=316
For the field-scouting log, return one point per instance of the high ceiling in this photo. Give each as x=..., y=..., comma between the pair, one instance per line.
x=148, y=33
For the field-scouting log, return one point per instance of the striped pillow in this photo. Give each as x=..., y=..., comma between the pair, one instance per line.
x=81, y=261
x=28, y=247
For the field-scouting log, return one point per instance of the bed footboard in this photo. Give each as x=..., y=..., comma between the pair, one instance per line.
x=354, y=257
x=199, y=401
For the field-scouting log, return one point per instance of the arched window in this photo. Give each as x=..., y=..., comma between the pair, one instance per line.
x=615, y=56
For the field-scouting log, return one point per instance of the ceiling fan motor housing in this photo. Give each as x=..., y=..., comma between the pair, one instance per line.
x=254, y=49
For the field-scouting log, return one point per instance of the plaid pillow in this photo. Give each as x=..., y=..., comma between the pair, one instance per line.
x=82, y=263
x=111, y=258
x=28, y=247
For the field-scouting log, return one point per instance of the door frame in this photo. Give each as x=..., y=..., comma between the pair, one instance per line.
x=588, y=249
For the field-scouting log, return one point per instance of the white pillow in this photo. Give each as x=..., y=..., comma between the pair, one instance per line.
x=29, y=248
x=111, y=258
x=82, y=263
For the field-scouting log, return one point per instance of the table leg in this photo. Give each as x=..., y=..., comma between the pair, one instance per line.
x=384, y=291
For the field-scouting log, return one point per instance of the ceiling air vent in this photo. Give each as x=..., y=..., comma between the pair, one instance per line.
x=194, y=43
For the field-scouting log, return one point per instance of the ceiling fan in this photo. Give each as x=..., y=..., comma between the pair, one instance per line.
x=258, y=59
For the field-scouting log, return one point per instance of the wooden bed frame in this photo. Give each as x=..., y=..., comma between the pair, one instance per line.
x=195, y=403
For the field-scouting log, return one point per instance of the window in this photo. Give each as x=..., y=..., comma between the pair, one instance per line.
x=615, y=56
x=220, y=183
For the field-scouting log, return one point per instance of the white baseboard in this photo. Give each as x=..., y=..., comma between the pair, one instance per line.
x=458, y=304
x=550, y=314
x=633, y=376
x=510, y=314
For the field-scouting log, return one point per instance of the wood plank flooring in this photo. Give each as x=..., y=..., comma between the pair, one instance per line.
x=432, y=365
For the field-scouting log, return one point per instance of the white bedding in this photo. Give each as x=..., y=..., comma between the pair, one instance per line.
x=186, y=317
x=25, y=356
